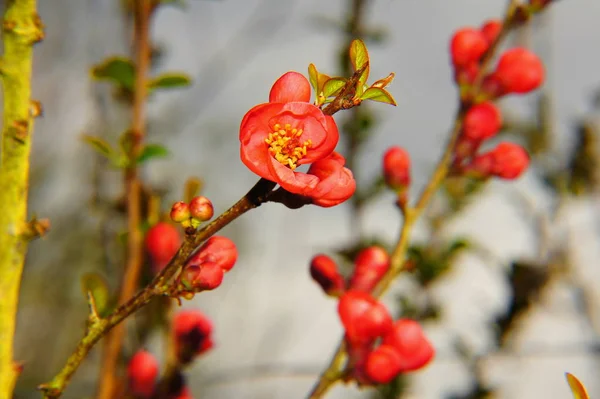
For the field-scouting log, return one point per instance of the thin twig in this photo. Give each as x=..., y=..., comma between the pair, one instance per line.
x=257, y=195
x=334, y=373
x=112, y=350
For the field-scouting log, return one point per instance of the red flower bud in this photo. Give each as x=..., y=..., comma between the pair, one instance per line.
x=162, y=242
x=507, y=161
x=192, y=331
x=409, y=341
x=491, y=29
x=383, y=364
x=142, y=371
x=396, y=168
x=467, y=46
x=325, y=272
x=364, y=318
x=482, y=121
x=201, y=208
x=202, y=278
x=180, y=212
x=219, y=250
x=369, y=267
x=519, y=71
x=336, y=183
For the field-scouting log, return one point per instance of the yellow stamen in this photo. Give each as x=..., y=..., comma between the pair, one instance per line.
x=285, y=145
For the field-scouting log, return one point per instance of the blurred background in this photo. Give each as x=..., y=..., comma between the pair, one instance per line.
x=511, y=293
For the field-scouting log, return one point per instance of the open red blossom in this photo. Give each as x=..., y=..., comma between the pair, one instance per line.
x=192, y=332
x=288, y=131
x=336, y=183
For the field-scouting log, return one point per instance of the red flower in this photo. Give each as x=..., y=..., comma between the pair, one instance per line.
x=142, y=371
x=325, y=272
x=482, y=122
x=192, y=332
x=288, y=131
x=217, y=249
x=467, y=46
x=396, y=168
x=369, y=267
x=336, y=183
x=410, y=342
x=162, y=242
x=507, y=161
x=364, y=318
x=519, y=71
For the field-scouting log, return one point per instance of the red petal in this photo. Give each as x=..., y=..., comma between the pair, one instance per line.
x=290, y=87
x=294, y=182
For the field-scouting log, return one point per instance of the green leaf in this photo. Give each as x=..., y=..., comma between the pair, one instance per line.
x=333, y=86
x=378, y=94
x=359, y=55
x=119, y=70
x=100, y=145
x=152, y=151
x=313, y=77
x=169, y=80
x=96, y=285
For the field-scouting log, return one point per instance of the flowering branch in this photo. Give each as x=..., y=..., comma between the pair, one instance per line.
x=160, y=285
x=135, y=254
x=22, y=27
x=336, y=370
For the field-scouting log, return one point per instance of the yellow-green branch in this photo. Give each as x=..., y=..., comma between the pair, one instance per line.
x=22, y=28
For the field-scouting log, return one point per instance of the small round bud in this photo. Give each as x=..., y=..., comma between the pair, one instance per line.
x=325, y=272
x=219, y=250
x=364, y=318
x=383, y=364
x=411, y=344
x=201, y=208
x=396, y=168
x=202, y=278
x=180, y=212
x=491, y=29
x=467, y=46
x=162, y=243
x=142, y=372
x=482, y=121
x=369, y=267
x=519, y=71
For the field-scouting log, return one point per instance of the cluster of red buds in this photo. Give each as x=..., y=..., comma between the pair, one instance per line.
x=191, y=332
x=403, y=346
x=207, y=267
x=200, y=209
x=380, y=349
x=518, y=71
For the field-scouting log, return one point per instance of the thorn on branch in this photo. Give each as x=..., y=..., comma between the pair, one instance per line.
x=36, y=228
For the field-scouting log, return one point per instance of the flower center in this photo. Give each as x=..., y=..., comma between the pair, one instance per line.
x=285, y=145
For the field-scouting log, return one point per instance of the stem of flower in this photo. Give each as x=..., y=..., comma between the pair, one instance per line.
x=22, y=28
x=335, y=371
x=257, y=195
x=108, y=381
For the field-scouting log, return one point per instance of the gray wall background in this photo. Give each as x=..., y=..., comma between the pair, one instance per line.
x=269, y=316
